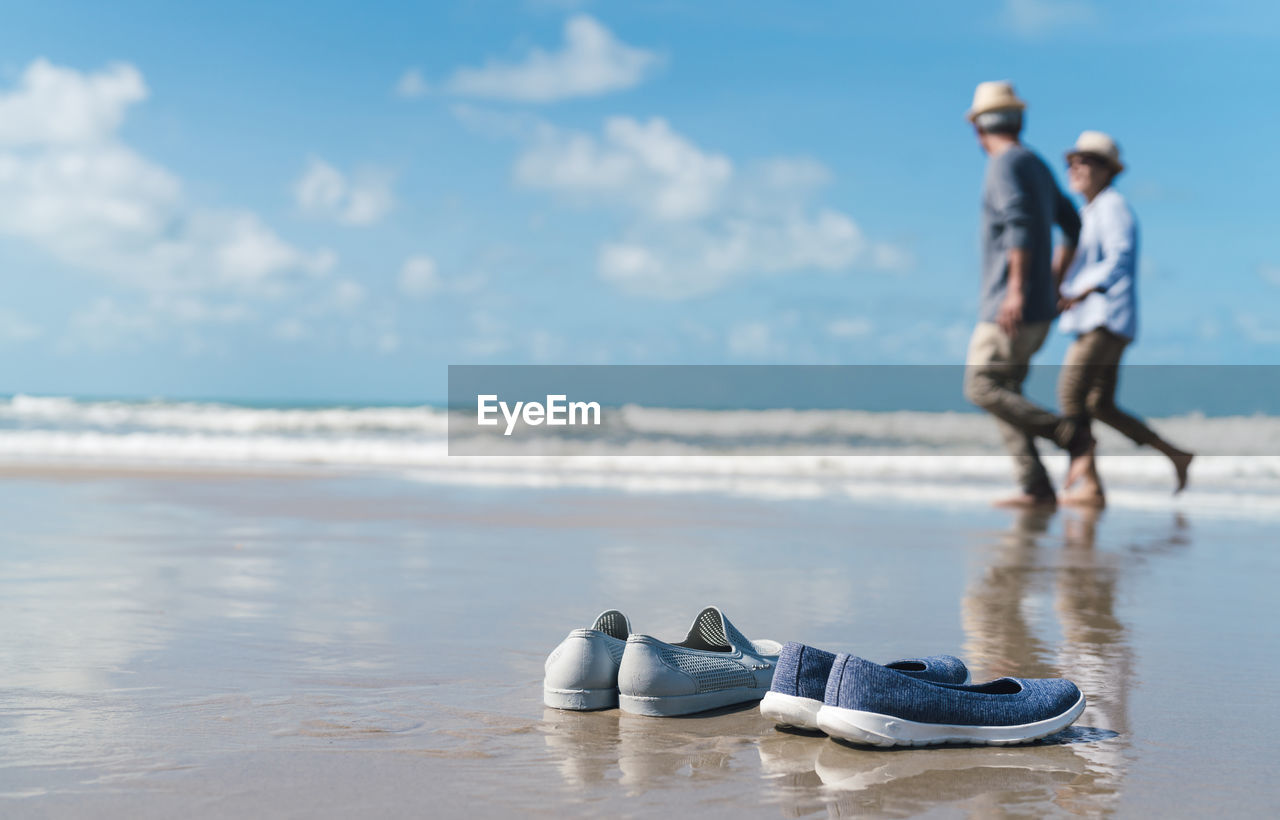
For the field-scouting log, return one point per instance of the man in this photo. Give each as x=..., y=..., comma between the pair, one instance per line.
x=1021, y=203
x=1100, y=306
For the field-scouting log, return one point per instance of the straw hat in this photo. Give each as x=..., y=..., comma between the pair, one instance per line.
x=1098, y=144
x=993, y=96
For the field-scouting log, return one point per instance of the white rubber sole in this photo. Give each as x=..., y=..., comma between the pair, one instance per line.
x=791, y=711
x=872, y=729
x=580, y=700
x=673, y=705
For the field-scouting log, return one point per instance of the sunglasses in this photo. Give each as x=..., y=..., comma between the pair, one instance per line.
x=1087, y=159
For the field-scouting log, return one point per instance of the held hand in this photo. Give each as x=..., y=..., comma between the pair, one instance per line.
x=1065, y=303
x=1009, y=317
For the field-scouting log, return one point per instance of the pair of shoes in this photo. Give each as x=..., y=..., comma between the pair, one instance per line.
x=800, y=684
x=608, y=665
x=916, y=705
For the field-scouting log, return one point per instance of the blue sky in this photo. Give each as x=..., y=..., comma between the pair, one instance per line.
x=313, y=201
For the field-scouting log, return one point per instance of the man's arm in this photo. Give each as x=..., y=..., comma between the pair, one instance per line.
x=1068, y=220
x=1010, y=315
x=1010, y=201
x=1063, y=256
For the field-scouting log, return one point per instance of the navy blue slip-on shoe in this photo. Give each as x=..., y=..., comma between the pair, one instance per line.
x=876, y=706
x=800, y=681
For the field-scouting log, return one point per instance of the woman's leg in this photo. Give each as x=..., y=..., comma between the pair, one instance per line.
x=1101, y=403
x=1076, y=382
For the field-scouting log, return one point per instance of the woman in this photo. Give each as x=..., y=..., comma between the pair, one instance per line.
x=1099, y=305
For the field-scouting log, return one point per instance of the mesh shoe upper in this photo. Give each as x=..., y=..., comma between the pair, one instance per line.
x=714, y=656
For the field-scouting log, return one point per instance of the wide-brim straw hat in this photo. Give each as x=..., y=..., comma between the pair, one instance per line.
x=997, y=95
x=1098, y=144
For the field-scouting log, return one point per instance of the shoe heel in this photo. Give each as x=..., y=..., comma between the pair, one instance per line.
x=841, y=723
x=791, y=711
x=580, y=700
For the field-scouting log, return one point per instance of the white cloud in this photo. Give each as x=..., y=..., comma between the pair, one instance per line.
x=1258, y=330
x=187, y=309
x=248, y=251
x=1032, y=18
x=362, y=199
x=61, y=106
x=592, y=62
x=290, y=330
x=1270, y=274
x=376, y=333
x=412, y=84
x=70, y=186
x=680, y=263
x=754, y=340
x=348, y=295
x=14, y=328
x=695, y=222
x=556, y=5
x=642, y=165
x=926, y=342
x=887, y=257
x=849, y=328
x=489, y=336
x=419, y=276
x=387, y=343
x=546, y=347
x=495, y=123
x=109, y=323
x=106, y=324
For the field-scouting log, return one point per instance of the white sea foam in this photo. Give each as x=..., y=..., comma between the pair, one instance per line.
x=940, y=458
x=56, y=412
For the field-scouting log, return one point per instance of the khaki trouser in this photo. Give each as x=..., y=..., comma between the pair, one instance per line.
x=995, y=368
x=1087, y=383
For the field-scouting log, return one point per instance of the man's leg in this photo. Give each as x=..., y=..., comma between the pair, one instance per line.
x=994, y=374
x=1028, y=470
x=993, y=381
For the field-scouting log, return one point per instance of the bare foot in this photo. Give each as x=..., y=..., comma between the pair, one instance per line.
x=1090, y=497
x=1025, y=501
x=1181, y=464
x=1081, y=466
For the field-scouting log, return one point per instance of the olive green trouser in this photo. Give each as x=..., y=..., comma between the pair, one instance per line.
x=995, y=368
x=1088, y=381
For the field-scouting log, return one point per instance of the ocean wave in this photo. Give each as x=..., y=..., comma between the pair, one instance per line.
x=56, y=412
x=785, y=453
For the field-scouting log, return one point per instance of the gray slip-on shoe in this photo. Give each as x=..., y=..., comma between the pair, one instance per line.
x=582, y=672
x=714, y=666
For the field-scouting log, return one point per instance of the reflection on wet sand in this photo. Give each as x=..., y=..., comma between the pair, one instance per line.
x=642, y=752
x=803, y=773
x=910, y=781
x=1038, y=607
x=583, y=744
x=1008, y=630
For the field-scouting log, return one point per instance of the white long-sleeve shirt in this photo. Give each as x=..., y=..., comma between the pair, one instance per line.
x=1106, y=258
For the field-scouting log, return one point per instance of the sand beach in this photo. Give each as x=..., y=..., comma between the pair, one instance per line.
x=322, y=643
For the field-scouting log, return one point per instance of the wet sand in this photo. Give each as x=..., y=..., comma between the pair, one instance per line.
x=218, y=646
